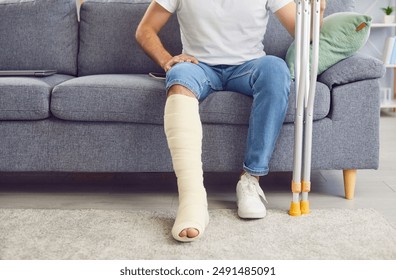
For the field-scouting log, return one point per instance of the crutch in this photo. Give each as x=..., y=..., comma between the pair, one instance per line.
x=305, y=82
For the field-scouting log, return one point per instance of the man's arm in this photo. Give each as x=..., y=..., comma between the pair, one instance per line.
x=147, y=33
x=147, y=36
x=287, y=15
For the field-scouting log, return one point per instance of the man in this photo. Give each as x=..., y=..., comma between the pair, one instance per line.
x=222, y=50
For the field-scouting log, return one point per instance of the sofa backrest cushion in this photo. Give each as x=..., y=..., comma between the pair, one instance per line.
x=107, y=38
x=108, y=45
x=39, y=34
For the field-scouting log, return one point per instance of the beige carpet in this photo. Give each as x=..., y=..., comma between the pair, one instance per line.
x=106, y=235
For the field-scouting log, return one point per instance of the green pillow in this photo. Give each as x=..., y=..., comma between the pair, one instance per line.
x=342, y=34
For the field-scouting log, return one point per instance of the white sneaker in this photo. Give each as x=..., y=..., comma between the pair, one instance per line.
x=250, y=198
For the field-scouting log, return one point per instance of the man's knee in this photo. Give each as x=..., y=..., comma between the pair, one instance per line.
x=273, y=72
x=179, y=89
x=275, y=66
x=182, y=79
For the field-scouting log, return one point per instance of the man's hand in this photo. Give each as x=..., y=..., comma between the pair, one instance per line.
x=323, y=5
x=322, y=9
x=177, y=59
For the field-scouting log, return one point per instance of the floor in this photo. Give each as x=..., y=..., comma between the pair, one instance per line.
x=156, y=191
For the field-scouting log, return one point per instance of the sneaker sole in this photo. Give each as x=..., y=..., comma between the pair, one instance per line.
x=257, y=215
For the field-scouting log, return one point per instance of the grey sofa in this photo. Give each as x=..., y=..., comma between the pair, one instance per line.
x=102, y=113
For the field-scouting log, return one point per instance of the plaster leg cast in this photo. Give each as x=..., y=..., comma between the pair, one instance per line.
x=183, y=130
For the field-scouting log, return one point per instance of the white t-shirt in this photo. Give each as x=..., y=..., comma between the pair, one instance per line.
x=223, y=31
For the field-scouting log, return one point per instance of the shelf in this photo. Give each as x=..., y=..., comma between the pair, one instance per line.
x=391, y=104
x=372, y=7
x=377, y=24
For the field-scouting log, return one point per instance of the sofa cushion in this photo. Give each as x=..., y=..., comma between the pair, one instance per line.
x=233, y=108
x=141, y=99
x=114, y=97
x=341, y=36
x=107, y=38
x=27, y=98
x=39, y=34
x=108, y=45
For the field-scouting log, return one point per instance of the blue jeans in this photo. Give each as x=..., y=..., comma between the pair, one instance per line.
x=266, y=79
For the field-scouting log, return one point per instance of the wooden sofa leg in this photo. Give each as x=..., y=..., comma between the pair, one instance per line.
x=349, y=183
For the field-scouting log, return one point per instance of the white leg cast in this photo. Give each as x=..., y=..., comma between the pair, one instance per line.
x=183, y=130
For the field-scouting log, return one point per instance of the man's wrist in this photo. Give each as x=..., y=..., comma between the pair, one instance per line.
x=164, y=62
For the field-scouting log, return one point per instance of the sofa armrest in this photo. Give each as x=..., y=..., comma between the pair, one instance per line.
x=356, y=68
x=355, y=116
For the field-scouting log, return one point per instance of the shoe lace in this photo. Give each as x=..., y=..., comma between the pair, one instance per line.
x=251, y=187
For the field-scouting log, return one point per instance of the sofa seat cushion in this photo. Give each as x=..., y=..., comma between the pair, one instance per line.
x=138, y=98
x=27, y=98
x=113, y=97
x=321, y=105
x=233, y=108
